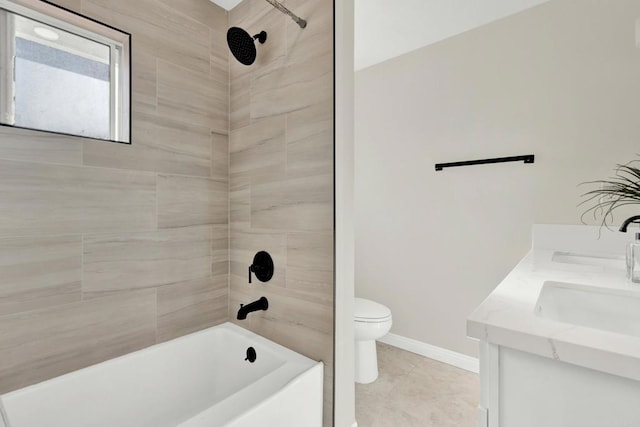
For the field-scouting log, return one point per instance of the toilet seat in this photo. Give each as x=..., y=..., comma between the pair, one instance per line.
x=368, y=311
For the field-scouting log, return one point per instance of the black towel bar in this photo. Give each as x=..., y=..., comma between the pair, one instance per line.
x=529, y=158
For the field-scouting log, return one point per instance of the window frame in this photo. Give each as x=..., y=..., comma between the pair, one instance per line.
x=118, y=41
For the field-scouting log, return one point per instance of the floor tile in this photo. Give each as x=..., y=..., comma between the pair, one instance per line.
x=412, y=390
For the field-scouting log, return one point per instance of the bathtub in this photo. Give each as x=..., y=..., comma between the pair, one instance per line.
x=198, y=380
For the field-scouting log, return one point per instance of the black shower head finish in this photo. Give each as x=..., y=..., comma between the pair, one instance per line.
x=242, y=45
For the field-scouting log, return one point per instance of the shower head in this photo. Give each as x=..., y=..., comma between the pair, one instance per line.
x=242, y=45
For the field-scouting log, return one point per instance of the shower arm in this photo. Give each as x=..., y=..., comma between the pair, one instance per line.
x=283, y=9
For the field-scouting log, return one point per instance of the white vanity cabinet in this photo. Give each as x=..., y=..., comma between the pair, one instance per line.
x=560, y=336
x=520, y=389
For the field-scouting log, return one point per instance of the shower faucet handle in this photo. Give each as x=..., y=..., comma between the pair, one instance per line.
x=262, y=267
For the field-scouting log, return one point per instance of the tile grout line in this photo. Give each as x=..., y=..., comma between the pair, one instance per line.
x=157, y=334
x=155, y=98
x=82, y=243
x=157, y=193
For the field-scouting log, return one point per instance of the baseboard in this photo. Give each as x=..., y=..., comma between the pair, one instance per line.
x=449, y=357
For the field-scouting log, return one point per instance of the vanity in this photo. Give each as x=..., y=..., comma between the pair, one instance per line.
x=560, y=336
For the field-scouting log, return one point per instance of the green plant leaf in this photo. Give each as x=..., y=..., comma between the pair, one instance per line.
x=623, y=189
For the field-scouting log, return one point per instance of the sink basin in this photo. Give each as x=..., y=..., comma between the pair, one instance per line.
x=614, y=310
x=605, y=261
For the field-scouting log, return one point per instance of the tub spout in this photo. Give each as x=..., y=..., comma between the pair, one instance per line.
x=261, y=304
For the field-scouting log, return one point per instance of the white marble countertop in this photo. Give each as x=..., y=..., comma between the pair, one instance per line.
x=507, y=316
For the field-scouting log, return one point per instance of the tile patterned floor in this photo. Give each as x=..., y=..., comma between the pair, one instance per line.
x=412, y=390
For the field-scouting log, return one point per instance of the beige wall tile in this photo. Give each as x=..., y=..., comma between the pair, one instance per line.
x=157, y=30
x=170, y=146
x=160, y=145
x=73, y=5
x=315, y=40
x=219, y=55
x=73, y=298
x=292, y=202
x=310, y=265
x=302, y=79
x=202, y=11
x=39, y=272
x=290, y=88
x=114, y=262
x=36, y=146
x=184, y=201
x=259, y=147
x=220, y=255
x=240, y=202
x=219, y=156
x=54, y=199
x=190, y=306
x=275, y=168
x=310, y=138
x=192, y=97
x=41, y=344
x=281, y=192
x=143, y=81
x=239, y=102
x=319, y=16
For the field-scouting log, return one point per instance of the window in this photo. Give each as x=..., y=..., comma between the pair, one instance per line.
x=61, y=72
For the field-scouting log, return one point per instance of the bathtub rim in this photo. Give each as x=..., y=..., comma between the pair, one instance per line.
x=295, y=363
x=291, y=356
x=301, y=376
x=291, y=383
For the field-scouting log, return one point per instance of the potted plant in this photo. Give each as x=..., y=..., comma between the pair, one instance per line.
x=622, y=189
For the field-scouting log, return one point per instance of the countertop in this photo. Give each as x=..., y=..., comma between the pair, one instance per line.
x=507, y=317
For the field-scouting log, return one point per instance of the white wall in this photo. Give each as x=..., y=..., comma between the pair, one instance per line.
x=561, y=81
x=386, y=29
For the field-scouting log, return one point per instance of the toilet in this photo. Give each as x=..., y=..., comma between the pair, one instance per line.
x=372, y=321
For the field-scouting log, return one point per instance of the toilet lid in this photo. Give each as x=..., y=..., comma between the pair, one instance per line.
x=367, y=310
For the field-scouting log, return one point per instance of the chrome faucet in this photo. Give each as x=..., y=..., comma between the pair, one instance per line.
x=261, y=304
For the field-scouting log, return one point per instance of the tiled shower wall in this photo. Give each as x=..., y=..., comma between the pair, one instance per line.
x=107, y=248
x=281, y=177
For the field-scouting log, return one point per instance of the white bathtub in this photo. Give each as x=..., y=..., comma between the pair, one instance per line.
x=198, y=380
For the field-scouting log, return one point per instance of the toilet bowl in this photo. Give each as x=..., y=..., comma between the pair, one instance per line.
x=371, y=321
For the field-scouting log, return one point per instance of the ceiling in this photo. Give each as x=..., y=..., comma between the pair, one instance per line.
x=385, y=29
x=227, y=4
